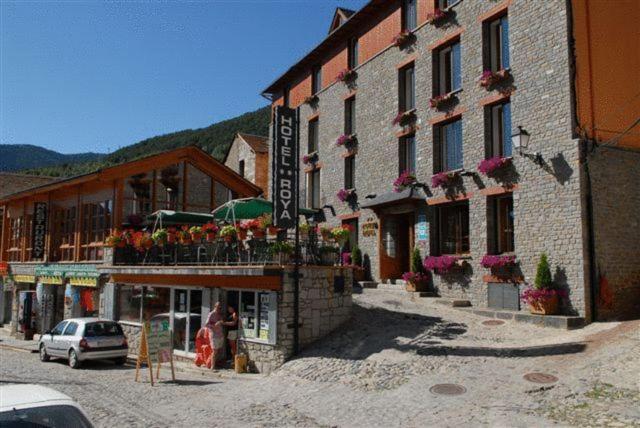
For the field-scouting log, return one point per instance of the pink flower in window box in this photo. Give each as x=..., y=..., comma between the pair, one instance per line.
x=344, y=195
x=345, y=139
x=435, y=16
x=440, y=264
x=496, y=261
x=443, y=179
x=402, y=38
x=492, y=165
x=345, y=75
x=404, y=118
x=438, y=100
x=489, y=78
x=406, y=179
x=310, y=159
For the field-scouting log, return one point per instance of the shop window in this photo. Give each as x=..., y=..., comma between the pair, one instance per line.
x=137, y=196
x=500, y=222
x=170, y=187
x=409, y=15
x=498, y=130
x=130, y=303
x=198, y=190
x=96, y=226
x=453, y=231
x=496, y=44
x=406, y=86
x=350, y=116
x=352, y=53
x=448, y=146
x=407, y=154
x=447, y=69
x=64, y=231
x=350, y=172
x=312, y=145
x=313, y=189
x=257, y=311
x=316, y=79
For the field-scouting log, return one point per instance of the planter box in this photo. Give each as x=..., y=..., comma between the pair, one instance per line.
x=503, y=296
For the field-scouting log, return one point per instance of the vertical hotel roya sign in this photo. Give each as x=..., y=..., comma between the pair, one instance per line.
x=285, y=167
x=39, y=231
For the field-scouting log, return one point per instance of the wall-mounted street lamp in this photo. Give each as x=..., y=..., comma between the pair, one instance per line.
x=520, y=142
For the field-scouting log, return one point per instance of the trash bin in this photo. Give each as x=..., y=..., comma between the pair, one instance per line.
x=241, y=363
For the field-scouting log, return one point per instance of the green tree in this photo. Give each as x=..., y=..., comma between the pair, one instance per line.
x=416, y=261
x=356, y=256
x=543, y=274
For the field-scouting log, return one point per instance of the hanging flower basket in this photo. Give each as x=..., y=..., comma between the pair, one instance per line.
x=345, y=195
x=310, y=159
x=443, y=179
x=490, y=78
x=439, y=100
x=115, y=240
x=441, y=264
x=405, y=180
x=325, y=232
x=402, y=38
x=228, y=233
x=437, y=16
x=492, y=165
x=404, y=118
x=346, y=75
x=345, y=140
x=160, y=237
x=341, y=234
x=196, y=233
x=210, y=230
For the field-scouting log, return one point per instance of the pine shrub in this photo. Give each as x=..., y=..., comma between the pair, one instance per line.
x=543, y=274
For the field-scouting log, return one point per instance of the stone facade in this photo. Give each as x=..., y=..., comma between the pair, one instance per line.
x=252, y=150
x=548, y=200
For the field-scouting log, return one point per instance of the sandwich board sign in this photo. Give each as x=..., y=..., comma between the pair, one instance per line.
x=155, y=348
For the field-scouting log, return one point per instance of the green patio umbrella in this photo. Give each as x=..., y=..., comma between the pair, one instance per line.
x=171, y=218
x=247, y=208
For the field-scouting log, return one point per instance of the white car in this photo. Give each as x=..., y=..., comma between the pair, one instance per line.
x=80, y=339
x=26, y=405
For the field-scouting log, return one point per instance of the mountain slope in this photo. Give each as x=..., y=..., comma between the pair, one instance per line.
x=214, y=139
x=14, y=157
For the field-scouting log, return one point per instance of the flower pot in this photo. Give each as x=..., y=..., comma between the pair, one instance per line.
x=211, y=236
x=272, y=230
x=196, y=237
x=242, y=234
x=258, y=233
x=185, y=241
x=358, y=274
x=416, y=286
x=121, y=244
x=326, y=236
x=228, y=238
x=171, y=238
x=548, y=306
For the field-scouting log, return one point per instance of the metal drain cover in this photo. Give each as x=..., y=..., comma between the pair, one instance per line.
x=492, y=322
x=540, y=378
x=448, y=389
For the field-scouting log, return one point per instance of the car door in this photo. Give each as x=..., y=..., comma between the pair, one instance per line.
x=51, y=341
x=67, y=338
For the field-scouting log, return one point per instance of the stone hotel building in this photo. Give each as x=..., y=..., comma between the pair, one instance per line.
x=437, y=88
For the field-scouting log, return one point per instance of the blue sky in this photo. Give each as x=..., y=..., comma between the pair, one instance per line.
x=81, y=76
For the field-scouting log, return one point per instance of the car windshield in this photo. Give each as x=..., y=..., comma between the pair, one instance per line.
x=46, y=416
x=102, y=328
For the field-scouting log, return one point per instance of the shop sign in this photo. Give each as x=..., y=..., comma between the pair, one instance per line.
x=370, y=227
x=28, y=279
x=84, y=281
x=52, y=275
x=423, y=234
x=51, y=280
x=156, y=346
x=285, y=167
x=39, y=230
x=4, y=268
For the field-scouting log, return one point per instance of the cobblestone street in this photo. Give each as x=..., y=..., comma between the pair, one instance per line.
x=378, y=371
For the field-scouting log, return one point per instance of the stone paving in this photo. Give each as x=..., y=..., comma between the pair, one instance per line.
x=378, y=371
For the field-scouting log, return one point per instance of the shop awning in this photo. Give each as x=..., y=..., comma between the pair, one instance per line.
x=391, y=198
x=248, y=208
x=79, y=275
x=171, y=218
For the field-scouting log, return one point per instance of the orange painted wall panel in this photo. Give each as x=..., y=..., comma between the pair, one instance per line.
x=608, y=68
x=425, y=7
x=299, y=91
x=331, y=68
x=380, y=35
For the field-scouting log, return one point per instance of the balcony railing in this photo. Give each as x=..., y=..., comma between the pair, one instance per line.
x=219, y=252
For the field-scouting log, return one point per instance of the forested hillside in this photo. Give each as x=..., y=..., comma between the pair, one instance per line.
x=14, y=157
x=214, y=139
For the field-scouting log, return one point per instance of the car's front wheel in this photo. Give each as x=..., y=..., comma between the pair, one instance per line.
x=44, y=357
x=74, y=363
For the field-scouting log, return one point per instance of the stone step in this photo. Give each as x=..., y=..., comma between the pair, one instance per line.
x=368, y=284
x=391, y=286
x=564, y=322
x=455, y=303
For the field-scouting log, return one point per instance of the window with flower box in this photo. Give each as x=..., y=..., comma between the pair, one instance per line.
x=500, y=222
x=406, y=86
x=313, y=189
x=350, y=116
x=96, y=226
x=409, y=15
x=448, y=146
x=352, y=53
x=350, y=172
x=498, y=130
x=313, y=137
x=316, y=79
x=407, y=154
x=447, y=66
x=496, y=44
x=453, y=228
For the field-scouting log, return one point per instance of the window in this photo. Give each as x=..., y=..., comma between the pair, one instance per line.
x=409, y=15
x=352, y=53
x=64, y=228
x=316, y=79
x=350, y=116
x=57, y=415
x=496, y=38
x=448, y=146
x=499, y=130
x=241, y=168
x=406, y=96
x=447, y=69
x=96, y=226
x=222, y=194
x=257, y=312
x=443, y=4
x=137, y=195
x=454, y=228
x=407, y=154
x=58, y=329
x=130, y=303
x=198, y=190
x=313, y=136
x=15, y=238
x=103, y=328
x=71, y=329
x=170, y=187
x=501, y=238
x=350, y=172
x=313, y=189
